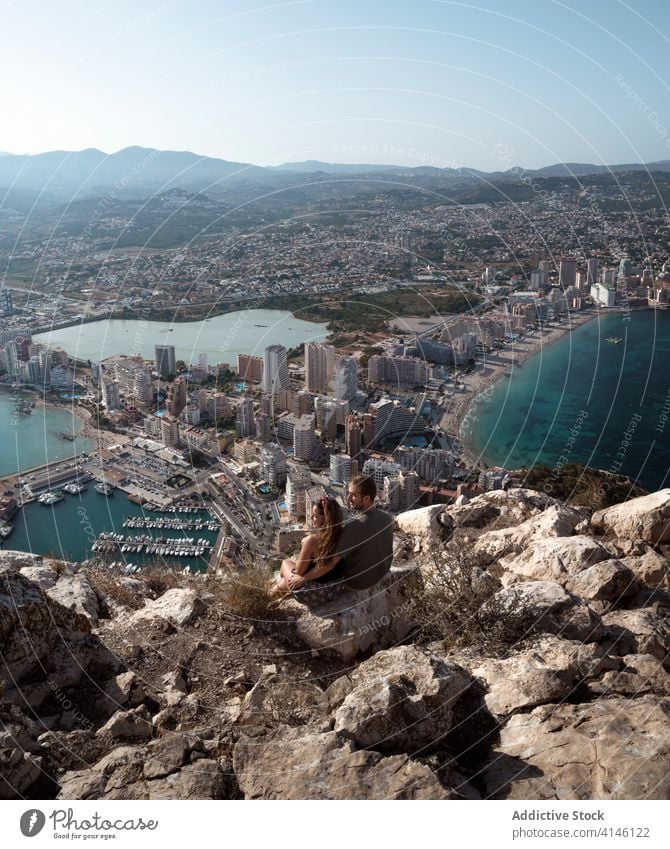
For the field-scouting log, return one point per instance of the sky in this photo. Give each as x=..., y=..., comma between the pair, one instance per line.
x=489, y=85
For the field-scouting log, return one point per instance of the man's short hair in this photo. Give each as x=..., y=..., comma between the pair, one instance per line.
x=365, y=485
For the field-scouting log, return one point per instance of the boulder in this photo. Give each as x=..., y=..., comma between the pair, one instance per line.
x=606, y=583
x=76, y=593
x=401, y=700
x=547, y=672
x=128, y=725
x=20, y=751
x=125, y=690
x=355, y=621
x=638, y=632
x=646, y=518
x=14, y=560
x=177, y=606
x=651, y=568
x=544, y=607
x=608, y=749
x=555, y=521
x=554, y=558
x=300, y=763
x=174, y=767
x=46, y=648
x=638, y=674
x=423, y=523
x=273, y=701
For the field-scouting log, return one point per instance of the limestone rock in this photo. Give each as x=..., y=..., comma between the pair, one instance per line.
x=20, y=751
x=174, y=767
x=299, y=763
x=422, y=523
x=555, y=521
x=646, y=518
x=639, y=674
x=177, y=606
x=548, y=672
x=545, y=607
x=76, y=593
x=46, y=647
x=639, y=632
x=128, y=725
x=555, y=558
x=651, y=568
x=354, y=622
x=272, y=701
x=401, y=701
x=608, y=749
x=14, y=560
x=608, y=581
x=126, y=690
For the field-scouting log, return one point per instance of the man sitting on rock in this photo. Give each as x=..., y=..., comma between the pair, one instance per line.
x=365, y=549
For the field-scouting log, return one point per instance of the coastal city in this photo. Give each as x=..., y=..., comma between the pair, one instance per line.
x=248, y=446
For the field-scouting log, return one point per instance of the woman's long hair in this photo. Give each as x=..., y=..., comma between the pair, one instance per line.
x=329, y=534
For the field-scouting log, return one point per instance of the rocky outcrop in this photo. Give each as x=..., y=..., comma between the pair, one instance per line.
x=179, y=766
x=401, y=700
x=47, y=648
x=608, y=749
x=645, y=519
x=346, y=695
x=299, y=763
x=177, y=606
x=353, y=622
x=20, y=751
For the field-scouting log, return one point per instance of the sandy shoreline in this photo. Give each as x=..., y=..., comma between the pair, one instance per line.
x=491, y=369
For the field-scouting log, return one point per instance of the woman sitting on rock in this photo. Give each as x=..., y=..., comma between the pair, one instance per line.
x=315, y=562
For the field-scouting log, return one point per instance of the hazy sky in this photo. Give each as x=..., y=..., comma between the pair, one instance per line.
x=488, y=84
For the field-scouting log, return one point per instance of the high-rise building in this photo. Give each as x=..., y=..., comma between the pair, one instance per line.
x=353, y=436
x=398, y=371
x=319, y=362
x=537, y=279
x=176, y=397
x=111, y=396
x=275, y=369
x=6, y=302
x=345, y=382
x=12, y=355
x=245, y=424
x=304, y=440
x=166, y=362
x=298, y=481
x=342, y=469
x=591, y=271
x=567, y=271
x=170, y=432
x=250, y=368
x=263, y=427
x=273, y=465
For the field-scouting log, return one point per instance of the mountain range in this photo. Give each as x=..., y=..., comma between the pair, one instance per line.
x=59, y=176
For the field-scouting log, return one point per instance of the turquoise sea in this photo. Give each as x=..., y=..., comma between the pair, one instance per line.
x=586, y=398
x=69, y=528
x=34, y=439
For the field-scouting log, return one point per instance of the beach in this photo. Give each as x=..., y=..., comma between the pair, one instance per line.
x=492, y=367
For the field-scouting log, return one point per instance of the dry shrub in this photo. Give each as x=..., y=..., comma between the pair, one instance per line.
x=108, y=585
x=245, y=593
x=455, y=602
x=159, y=579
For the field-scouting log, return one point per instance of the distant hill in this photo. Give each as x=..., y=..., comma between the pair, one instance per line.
x=134, y=170
x=65, y=176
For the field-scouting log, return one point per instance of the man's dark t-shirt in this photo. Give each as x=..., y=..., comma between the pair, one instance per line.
x=366, y=546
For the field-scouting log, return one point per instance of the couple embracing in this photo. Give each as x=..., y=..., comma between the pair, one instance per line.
x=355, y=554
